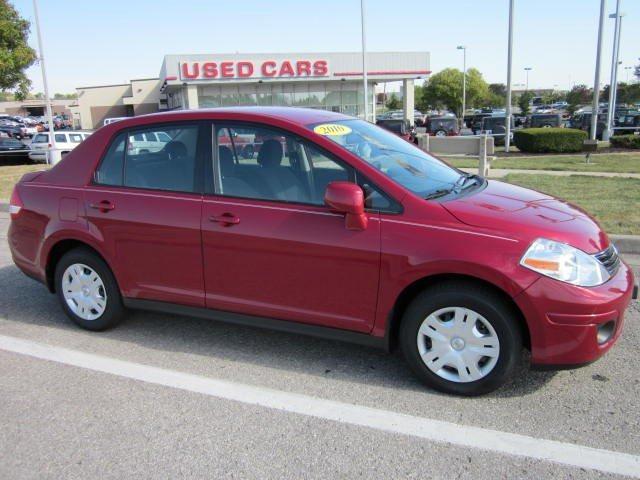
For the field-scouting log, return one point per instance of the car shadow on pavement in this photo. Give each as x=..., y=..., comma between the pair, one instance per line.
x=28, y=302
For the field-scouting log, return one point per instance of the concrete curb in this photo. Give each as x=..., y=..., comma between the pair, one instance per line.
x=627, y=244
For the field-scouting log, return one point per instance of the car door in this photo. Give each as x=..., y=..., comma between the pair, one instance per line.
x=147, y=207
x=271, y=248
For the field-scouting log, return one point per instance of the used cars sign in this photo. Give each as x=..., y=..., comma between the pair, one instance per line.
x=250, y=69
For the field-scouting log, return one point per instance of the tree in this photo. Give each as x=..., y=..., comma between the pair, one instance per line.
x=579, y=95
x=15, y=53
x=445, y=89
x=394, y=103
x=524, y=102
x=65, y=96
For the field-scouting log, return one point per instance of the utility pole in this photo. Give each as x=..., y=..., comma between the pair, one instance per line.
x=507, y=138
x=44, y=83
x=464, y=82
x=596, y=81
x=527, y=69
x=364, y=63
x=613, y=84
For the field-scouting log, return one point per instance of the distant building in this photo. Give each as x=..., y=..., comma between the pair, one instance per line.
x=330, y=81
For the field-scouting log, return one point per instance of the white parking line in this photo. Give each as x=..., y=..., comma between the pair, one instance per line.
x=388, y=421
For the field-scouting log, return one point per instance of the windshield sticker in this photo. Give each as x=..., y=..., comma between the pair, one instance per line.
x=332, y=129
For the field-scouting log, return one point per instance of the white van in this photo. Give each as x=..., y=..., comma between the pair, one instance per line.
x=64, y=142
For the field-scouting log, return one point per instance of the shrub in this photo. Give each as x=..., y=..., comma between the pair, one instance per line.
x=625, y=141
x=549, y=140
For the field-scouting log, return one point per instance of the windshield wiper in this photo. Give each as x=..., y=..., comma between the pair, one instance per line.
x=438, y=193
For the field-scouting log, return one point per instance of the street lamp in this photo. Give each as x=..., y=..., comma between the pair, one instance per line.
x=464, y=81
x=527, y=69
x=507, y=137
x=364, y=63
x=613, y=85
x=628, y=69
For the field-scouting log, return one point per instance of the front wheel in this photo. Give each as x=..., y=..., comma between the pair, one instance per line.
x=461, y=338
x=88, y=290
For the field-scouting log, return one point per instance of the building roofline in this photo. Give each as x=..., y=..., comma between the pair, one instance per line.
x=103, y=86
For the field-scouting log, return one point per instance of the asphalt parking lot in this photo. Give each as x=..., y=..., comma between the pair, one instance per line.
x=184, y=397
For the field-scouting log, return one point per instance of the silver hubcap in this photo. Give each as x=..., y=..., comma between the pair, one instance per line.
x=458, y=344
x=84, y=291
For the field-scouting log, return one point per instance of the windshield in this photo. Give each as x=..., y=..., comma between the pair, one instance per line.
x=398, y=159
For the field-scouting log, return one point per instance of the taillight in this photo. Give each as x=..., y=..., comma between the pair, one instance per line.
x=15, y=204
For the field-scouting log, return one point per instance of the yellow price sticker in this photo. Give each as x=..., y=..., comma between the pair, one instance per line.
x=332, y=129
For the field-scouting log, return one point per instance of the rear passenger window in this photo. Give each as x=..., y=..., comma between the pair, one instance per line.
x=165, y=163
x=111, y=168
x=60, y=137
x=75, y=137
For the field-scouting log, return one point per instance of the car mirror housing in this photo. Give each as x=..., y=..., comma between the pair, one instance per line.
x=347, y=198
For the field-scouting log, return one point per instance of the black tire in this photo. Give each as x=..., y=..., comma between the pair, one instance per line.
x=440, y=133
x=480, y=299
x=114, y=311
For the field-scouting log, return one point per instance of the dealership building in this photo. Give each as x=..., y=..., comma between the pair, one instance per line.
x=330, y=81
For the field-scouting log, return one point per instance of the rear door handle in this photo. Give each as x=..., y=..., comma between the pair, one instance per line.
x=226, y=219
x=103, y=206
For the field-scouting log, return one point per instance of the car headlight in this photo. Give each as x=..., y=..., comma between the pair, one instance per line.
x=564, y=262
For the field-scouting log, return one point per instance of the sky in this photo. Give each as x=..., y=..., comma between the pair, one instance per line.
x=91, y=42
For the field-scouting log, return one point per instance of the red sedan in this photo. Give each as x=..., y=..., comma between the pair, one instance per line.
x=332, y=227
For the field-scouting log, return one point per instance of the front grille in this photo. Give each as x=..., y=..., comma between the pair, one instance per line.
x=610, y=259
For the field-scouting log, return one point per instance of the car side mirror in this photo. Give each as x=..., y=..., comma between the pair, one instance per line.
x=347, y=198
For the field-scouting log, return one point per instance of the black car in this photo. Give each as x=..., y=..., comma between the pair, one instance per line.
x=442, y=126
x=400, y=127
x=496, y=127
x=476, y=122
x=582, y=121
x=13, y=152
x=15, y=131
x=545, y=120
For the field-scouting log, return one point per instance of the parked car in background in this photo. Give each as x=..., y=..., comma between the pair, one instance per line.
x=65, y=142
x=400, y=127
x=14, y=130
x=418, y=116
x=631, y=119
x=442, y=126
x=496, y=127
x=13, y=151
x=582, y=121
x=349, y=233
x=476, y=122
x=545, y=120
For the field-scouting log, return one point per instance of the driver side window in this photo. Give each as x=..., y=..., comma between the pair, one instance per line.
x=265, y=164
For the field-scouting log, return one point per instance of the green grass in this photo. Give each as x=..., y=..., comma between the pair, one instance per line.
x=614, y=202
x=606, y=162
x=9, y=175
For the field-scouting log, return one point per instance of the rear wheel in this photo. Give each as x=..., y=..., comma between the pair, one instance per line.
x=461, y=338
x=88, y=291
x=440, y=133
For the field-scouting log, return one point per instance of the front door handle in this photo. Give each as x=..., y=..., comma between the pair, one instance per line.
x=104, y=206
x=226, y=219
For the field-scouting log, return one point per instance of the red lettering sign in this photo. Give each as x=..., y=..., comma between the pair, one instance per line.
x=245, y=69
x=248, y=69
x=268, y=69
x=320, y=68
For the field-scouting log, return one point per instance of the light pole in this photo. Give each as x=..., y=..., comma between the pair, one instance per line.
x=364, y=63
x=44, y=82
x=613, y=85
x=628, y=69
x=507, y=137
x=596, y=80
x=464, y=82
x=527, y=69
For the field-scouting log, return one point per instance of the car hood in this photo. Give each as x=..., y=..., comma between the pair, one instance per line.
x=528, y=214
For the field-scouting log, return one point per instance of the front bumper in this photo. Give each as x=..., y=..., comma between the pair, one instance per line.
x=563, y=319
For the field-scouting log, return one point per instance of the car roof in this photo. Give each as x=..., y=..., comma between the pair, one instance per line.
x=296, y=115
